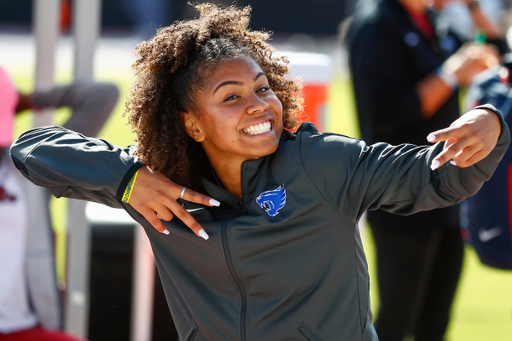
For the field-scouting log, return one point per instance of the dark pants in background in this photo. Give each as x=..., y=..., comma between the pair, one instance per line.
x=419, y=260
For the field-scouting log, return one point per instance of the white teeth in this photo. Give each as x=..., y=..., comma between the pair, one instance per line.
x=258, y=128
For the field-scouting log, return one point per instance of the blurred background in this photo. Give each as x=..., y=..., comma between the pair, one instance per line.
x=483, y=306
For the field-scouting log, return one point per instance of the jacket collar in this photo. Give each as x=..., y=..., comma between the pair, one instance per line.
x=249, y=172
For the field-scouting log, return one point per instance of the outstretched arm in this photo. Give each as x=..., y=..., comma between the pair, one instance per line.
x=71, y=165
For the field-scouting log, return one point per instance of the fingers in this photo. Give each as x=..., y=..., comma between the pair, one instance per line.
x=459, y=152
x=152, y=218
x=164, y=213
x=442, y=135
x=188, y=220
x=192, y=196
x=478, y=156
x=458, y=146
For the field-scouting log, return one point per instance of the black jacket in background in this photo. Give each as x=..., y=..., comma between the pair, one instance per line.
x=388, y=56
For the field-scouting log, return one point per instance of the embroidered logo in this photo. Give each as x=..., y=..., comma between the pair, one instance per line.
x=272, y=201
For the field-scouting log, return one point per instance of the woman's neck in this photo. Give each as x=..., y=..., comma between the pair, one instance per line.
x=229, y=176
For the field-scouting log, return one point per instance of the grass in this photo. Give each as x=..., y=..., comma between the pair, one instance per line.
x=483, y=305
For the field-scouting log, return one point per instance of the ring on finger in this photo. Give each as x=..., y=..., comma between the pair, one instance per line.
x=183, y=192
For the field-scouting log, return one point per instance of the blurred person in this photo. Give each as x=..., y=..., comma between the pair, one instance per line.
x=147, y=16
x=30, y=307
x=463, y=14
x=407, y=66
x=487, y=216
x=253, y=227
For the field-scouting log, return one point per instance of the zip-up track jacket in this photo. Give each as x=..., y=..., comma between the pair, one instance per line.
x=284, y=263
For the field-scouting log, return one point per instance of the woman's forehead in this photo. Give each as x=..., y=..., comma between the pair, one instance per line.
x=234, y=69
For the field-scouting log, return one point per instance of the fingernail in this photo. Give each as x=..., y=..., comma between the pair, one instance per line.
x=431, y=137
x=214, y=203
x=435, y=165
x=453, y=162
x=166, y=232
x=203, y=234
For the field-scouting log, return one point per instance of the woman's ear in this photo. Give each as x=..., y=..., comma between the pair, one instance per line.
x=192, y=126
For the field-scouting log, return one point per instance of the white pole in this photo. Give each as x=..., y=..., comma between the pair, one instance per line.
x=86, y=29
x=46, y=27
x=86, y=22
x=78, y=262
x=143, y=287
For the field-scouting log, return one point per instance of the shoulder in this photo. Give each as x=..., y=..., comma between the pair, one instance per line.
x=321, y=147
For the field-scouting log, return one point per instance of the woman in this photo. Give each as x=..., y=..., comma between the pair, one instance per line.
x=283, y=259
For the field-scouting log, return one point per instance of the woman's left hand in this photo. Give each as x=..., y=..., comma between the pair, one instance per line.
x=469, y=139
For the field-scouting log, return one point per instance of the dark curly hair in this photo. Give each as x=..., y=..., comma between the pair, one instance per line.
x=175, y=64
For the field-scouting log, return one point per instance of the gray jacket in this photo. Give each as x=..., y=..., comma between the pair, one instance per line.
x=284, y=263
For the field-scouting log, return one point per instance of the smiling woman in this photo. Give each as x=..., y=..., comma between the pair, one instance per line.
x=176, y=66
x=238, y=118
x=281, y=256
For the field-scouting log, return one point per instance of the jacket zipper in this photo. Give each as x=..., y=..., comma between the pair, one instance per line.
x=231, y=268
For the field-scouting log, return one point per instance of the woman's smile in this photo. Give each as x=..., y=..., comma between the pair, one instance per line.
x=258, y=129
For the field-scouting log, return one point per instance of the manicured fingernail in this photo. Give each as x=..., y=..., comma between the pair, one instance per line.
x=453, y=162
x=203, y=234
x=214, y=203
x=435, y=165
x=431, y=137
x=166, y=231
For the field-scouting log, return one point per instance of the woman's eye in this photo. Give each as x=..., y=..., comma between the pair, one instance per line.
x=263, y=89
x=230, y=98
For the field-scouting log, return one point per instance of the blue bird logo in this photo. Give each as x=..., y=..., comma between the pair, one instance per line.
x=272, y=201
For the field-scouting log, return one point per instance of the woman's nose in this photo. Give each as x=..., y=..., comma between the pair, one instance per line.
x=256, y=105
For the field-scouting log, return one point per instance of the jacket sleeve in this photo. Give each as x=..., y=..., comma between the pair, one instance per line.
x=91, y=103
x=355, y=177
x=71, y=165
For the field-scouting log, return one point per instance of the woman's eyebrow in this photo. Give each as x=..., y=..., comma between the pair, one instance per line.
x=261, y=73
x=227, y=83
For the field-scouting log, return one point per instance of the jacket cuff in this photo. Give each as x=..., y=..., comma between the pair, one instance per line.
x=127, y=177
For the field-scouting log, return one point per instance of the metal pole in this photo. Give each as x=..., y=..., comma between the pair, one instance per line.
x=46, y=27
x=86, y=29
x=78, y=260
x=143, y=287
x=86, y=21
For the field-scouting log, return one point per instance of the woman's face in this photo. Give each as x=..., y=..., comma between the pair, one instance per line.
x=238, y=116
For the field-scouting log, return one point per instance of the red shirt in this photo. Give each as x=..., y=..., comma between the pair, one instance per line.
x=421, y=20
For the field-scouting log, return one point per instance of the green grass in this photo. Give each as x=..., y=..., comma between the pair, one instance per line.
x=483, y=305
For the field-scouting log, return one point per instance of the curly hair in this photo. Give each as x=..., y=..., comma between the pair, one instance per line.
x=176, y=63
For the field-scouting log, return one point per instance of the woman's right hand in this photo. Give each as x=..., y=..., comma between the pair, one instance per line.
x=155, y=197
x=470, y=60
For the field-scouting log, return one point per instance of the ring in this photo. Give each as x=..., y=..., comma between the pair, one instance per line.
x=183, y=192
